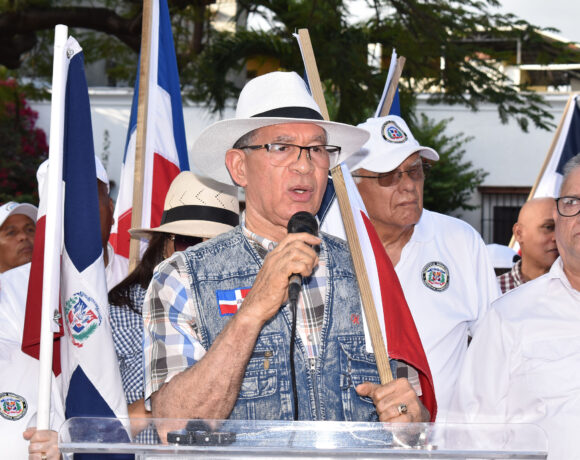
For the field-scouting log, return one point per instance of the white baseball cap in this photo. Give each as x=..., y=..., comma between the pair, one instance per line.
x=11, y=208
x=390, y=144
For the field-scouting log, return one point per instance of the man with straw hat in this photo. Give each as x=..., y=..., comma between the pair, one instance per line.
x=195, y=209
x=217, y=322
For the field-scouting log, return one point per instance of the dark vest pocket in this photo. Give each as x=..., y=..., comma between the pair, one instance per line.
x=265, y=390
x=356, y=366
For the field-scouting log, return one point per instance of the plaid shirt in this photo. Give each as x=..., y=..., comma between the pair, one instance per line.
x=172, y=342
x=512, y=279
x=127, y=328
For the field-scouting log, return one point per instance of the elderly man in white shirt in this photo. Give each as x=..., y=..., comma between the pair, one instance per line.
x=523, y=365
x=442, y=263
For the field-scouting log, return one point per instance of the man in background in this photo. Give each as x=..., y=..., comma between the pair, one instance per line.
x=534, y=232
x=442, y=262
x=524, y=362
x=17, y=229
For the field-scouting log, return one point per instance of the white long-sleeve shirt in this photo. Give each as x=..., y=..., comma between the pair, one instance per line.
x=524, y=364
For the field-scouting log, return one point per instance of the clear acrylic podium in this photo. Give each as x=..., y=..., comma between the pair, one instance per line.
x=227, y=439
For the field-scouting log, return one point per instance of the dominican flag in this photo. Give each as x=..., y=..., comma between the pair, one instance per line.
x=165, y=152
x=397, y=324
x=91, y=382
x=229, y=301
x=566, y=144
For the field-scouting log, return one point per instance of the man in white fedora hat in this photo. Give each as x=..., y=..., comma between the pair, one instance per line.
x=218, y=335
x=442, y=263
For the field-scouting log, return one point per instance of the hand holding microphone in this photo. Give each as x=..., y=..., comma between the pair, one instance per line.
x=301, y=222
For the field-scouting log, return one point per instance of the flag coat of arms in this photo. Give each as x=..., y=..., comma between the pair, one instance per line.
x=165, y=153
x=91, y=381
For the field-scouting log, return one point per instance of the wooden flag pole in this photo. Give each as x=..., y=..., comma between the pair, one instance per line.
x=312, y=71
x=393, y=86
x=547, y=158
x=377, y=341
x=370, y=311
x=141, y=135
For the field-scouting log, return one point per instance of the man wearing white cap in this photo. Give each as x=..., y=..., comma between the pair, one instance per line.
x=218, y=325
x=17, y=229
x=442, y=262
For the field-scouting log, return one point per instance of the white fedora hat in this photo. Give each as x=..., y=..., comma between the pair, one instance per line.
x=11, y=208
x=390, y=144
x=270, y=99
x=196, y=206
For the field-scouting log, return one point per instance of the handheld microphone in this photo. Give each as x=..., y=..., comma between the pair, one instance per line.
x=301, y=222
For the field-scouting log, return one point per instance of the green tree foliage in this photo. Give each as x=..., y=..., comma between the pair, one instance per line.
x=470, y=37
x=24, y=146
x=451, y=180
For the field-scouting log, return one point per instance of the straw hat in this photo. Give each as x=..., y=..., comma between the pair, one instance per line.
x=196, y=206
x=390, y=144
x=270, y=99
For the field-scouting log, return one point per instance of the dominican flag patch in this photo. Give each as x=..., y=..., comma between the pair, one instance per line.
x=229, y=301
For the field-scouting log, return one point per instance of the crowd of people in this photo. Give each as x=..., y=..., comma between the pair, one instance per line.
x=204, y=328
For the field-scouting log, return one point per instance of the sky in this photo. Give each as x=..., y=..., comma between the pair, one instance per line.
x=561, y=14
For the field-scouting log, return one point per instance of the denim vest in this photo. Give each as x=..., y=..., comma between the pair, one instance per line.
x=326, y=388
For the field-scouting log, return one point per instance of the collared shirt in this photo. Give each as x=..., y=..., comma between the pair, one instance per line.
x=524, y=362
x=170, y=316
x=512, y=279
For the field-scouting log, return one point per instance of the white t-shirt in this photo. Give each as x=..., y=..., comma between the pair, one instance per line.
x=449, y=282
x=524, y=364
x=19, y=398
x=19, y=376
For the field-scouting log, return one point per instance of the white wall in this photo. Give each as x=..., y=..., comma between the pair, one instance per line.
x=510, y=156
x=110, y=111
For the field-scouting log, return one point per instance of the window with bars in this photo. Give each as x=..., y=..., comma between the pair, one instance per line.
x=499, y=212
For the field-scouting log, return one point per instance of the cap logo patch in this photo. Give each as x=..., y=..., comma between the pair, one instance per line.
x=435, y=276
x=392, y=133
x=12, y=406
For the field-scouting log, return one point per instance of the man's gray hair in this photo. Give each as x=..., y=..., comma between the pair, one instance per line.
x=569, y=167
x=245, y=140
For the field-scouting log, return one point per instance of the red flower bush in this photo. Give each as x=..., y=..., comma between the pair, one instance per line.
x=23, y=146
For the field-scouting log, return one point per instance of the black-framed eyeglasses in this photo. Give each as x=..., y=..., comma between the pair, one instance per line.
x=389, y=179
x=182, y=242
x=281, y=154
x=568, y=206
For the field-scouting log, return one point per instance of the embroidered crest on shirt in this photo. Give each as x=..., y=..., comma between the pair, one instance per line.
x=12, y=406
x=435, y=276
x=230, y=301
x=392, y=133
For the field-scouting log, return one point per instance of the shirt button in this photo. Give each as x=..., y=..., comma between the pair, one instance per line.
x=310, y=337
